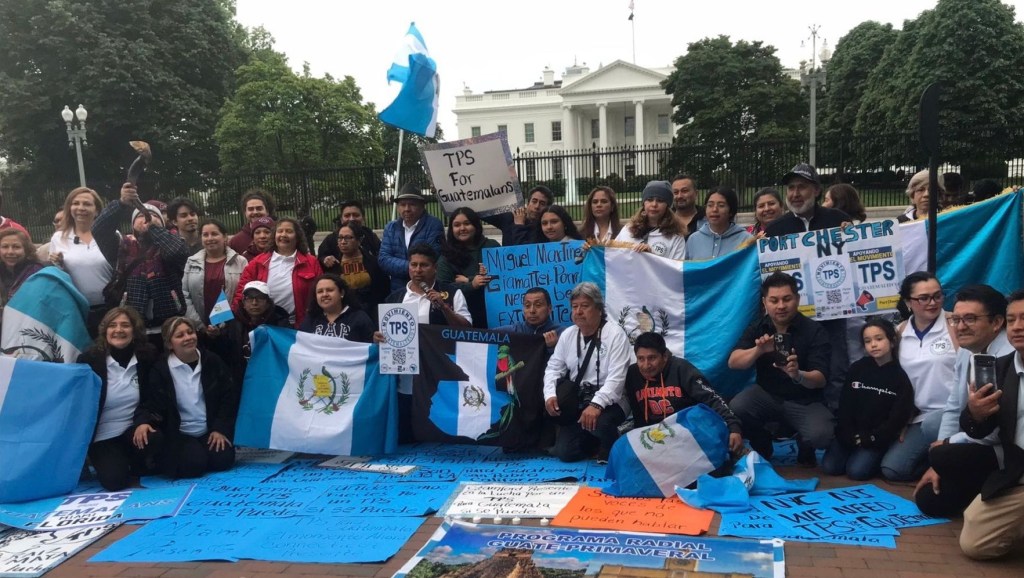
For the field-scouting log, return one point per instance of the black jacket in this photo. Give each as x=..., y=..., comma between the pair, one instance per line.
x=821, y=218
x=1006, y=420
x=684, y=386
x=875, y=403
x=161, y=404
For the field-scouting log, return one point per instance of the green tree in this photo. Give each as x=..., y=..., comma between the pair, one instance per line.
x=145, y=69
x=727, y=96
x=975, y=48
x=855, y=56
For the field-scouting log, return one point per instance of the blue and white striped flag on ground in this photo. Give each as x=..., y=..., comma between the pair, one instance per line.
x=415, y=107
x=47, y=417
x=652, y=461
x=221, y=312
x=316, y=394
x=700, y=307
x=45, y=320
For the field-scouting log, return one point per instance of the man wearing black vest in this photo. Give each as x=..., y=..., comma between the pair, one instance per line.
x=994, y=522
x=436, y=304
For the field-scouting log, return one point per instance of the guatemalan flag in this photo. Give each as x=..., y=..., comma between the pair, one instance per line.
x=651, y=461
x=415, y=107
x=316, y=394
x=700, y=307
x=221, y=311
x=47, y=417
x=45, y=320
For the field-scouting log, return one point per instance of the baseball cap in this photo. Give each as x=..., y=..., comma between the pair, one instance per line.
x=802, y=170
x=260, y=286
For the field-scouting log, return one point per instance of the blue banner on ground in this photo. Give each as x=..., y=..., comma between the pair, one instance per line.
x=81, y=510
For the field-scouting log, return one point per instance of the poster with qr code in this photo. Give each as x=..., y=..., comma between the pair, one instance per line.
x=840, y=272
x=400, y=351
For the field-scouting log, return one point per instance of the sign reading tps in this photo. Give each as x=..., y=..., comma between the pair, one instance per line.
x=476, y=172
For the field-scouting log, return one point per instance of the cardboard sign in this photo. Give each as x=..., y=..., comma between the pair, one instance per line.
x=28, y=554
x=476, y=172
x=840, y=272
x=591, y=509
x=509, y=500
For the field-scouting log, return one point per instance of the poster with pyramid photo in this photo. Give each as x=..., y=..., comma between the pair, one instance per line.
x=463, y=550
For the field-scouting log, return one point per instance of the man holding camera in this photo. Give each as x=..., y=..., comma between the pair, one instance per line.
x=791, y=354
x=994, y=522
x=584, y=379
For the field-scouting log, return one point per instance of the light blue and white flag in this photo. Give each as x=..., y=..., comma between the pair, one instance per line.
x=221, y=312
x=47, y=417
x=700, y=307
x=752, y=476
x=316, y=394
x=652, y=461
x=45, y=320
x=415, y=107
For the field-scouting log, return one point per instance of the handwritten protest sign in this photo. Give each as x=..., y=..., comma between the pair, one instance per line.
x=380, y=499
x=250, y=472
x=337, y=541
x=465, y=549
x=518, y=268
x=756, y=524
x=593, y=510
x=864, y=509
x=261, y=456
x=520, y=470
x=360, y=465
x=840, y=272
x=82, y=510
x=509, y=500
x=476, y=172
x=27, y=554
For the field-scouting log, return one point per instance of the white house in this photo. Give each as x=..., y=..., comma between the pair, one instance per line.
x=620, y=104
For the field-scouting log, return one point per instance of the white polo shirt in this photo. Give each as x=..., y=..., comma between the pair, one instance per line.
x=188, y=389
x=118, y=412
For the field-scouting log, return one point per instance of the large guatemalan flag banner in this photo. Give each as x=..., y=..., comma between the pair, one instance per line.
x=316, y=394
x=702, y=307
x=478, y=386
x=47, y=417
x=45, y=319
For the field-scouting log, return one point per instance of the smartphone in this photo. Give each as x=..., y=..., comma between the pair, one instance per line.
x=985, y=370
x=783, y=347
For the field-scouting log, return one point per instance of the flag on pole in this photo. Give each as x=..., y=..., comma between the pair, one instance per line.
x=47, y=417
x=316, y=394
x=221, y=312
x=415, y=107
x=630, y=9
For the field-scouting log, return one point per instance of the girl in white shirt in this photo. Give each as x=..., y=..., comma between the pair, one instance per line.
x=655, y=229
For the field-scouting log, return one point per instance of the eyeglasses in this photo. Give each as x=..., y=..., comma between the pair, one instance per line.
x=969, y=319
x=926, y=299
x=346, y=238
x=254, y=298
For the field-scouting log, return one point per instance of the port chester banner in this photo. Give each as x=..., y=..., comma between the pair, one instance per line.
x=840, y=272
x=476, y=172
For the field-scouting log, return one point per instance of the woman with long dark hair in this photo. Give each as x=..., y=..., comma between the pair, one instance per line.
x=767, y=207
x=555, y=225
x=654, y=228
x=215, y=268
x=333, y=311
x=359, y=268
x=601, y=216
x=461, y=262
x=845, y=198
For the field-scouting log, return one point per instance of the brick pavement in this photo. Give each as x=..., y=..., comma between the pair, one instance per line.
x=929, y=551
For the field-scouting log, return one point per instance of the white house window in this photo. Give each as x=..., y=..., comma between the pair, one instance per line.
x=663, y=124
x=531, y=169
x=630, y=128
x=528, y=129
x=595, y=128
x=503, y=128
x=556, y=131
x=556, y=168
x=474, y=130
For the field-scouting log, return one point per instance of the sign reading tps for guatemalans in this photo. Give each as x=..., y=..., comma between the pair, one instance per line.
x=400, y=352
x=517, y=268
x=841, y=272
x=476, y=172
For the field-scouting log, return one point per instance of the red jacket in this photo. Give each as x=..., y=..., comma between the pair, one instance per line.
x=307, y=268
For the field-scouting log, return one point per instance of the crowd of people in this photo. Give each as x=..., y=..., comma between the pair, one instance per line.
x=907, y=408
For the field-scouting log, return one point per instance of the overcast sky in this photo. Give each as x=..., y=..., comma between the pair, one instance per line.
x=489, y=45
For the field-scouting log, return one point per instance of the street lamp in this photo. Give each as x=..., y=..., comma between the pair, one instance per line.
x=811, y=79
x=76, y=136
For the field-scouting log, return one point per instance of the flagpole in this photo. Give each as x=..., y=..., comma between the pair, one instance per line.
x=398, y=173
x=632, y=25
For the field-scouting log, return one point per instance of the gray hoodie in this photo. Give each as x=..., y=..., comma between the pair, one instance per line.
x=706, y=244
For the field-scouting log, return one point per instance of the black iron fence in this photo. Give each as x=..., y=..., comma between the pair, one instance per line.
x=879, y=166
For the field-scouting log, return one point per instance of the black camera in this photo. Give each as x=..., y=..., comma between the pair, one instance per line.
x=587, y=391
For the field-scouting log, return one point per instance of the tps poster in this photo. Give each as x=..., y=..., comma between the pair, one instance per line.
x=840, y=272
x=476, y=172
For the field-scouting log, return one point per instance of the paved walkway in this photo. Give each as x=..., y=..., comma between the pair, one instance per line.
x=920, y=552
